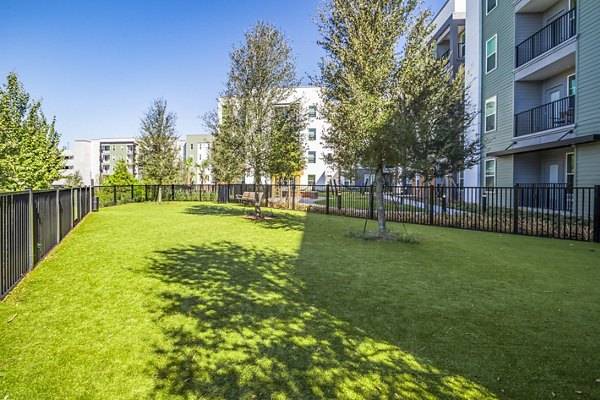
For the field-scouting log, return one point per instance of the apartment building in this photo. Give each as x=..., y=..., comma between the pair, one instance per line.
x=539, y=86
x=114, y=150
x=197, y=148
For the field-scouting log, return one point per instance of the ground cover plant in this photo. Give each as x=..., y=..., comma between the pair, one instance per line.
x=189, y=300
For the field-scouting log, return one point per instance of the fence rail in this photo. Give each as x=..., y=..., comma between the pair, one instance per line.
x=545, y=210
x=31, y=224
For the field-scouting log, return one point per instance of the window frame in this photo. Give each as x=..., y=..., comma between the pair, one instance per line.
x=314, y=179
x=314, y=158
x=485, y=172
x=312, y=111
x=313, y=130
x=567, y=173
x=485, y=116
x=569, y=84
x=488, y=10
x=495, y=54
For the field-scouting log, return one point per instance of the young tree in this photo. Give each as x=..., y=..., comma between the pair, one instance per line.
x=261, y=76
x=29, y=153
x=74, y=180
x=226, y=155
x=286, y=150
x=121, y=176
x=158, y=153
x=434, y=112
x=360, y=76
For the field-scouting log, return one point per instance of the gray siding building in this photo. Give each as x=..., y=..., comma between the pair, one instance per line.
x=540, y=119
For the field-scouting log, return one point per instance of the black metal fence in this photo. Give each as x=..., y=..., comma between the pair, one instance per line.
x=553, y=211
x=31, y=224
x=550, y=36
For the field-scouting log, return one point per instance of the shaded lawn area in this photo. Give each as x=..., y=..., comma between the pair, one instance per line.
x=188, y=300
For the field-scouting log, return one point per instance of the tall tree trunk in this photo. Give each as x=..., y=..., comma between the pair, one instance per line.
x=257, y=211
x=380, y=202
x=159, y=193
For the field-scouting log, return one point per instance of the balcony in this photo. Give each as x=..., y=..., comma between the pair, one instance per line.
x=547, y=38
x=553, y=115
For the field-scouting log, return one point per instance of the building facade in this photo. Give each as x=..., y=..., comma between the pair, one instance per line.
x=539, y=78
x=197, y=149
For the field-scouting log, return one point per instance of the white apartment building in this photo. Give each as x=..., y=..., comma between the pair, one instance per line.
x=196, y=149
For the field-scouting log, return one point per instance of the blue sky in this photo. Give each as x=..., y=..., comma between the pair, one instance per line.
x=97, y=65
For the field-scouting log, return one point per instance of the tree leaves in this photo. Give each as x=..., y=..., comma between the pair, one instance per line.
x=29, y=153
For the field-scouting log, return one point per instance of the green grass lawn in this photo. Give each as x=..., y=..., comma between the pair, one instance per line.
x=189, y=300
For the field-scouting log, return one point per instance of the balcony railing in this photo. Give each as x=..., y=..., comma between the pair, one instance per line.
x=548, y=116
x=550, y=36
x=461, y=50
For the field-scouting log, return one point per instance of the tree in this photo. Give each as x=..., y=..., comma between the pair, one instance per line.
x=158, y=152
x=121, y=176
x=261, y=76
x=434, y=113
x=29, y=153
x=226, y=153
x=360, y=76
x=287, y=147
x=74, y=180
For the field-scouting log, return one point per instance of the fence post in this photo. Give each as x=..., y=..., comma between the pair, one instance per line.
x=294, y=196
x=146, y=192
x=371, y=204
x=57, y=216
x=72, y=209
x=327, y=200
x=31, y=247
x=172, y=192
x=597, y=214
x=431, y=201
x=132, y=195
x=516, y=209
x=114, y=195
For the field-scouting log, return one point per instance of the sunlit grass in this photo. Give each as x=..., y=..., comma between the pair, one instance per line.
x=192, y=301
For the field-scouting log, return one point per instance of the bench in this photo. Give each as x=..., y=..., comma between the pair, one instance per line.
x=248, y=197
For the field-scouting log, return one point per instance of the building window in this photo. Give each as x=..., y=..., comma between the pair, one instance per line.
x=491, y=4
x=312, y=134
x=572, y=84
x=106, y=148
x=311, y=180
x=106, y=158
x=461, y=179
x=114, y=148
x=312, y=157
x=570, y=168
x=312, y=111
x=491, y=52
x=490, y=114
x=490, y=173
x=191, y=146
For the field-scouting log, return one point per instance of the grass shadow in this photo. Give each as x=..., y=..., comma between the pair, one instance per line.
x=237, y=324
x=275, y=219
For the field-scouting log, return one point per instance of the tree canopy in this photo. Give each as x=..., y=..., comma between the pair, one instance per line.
x=158, y=153
x=29, y=144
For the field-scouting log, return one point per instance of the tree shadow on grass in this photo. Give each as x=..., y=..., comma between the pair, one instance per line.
x=274, y=219
x=236, y=325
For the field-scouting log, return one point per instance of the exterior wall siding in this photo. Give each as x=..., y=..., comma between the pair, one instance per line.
x=587, y=159
x=499, y=83
x=588, y=59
